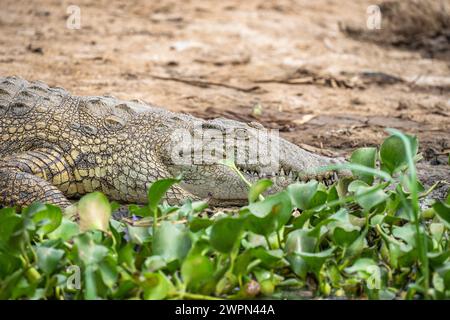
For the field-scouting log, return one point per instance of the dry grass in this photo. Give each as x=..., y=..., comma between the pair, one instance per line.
x=414, y=24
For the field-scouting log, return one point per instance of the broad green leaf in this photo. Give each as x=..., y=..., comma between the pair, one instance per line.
x=344, y=237
x=90, y=292
x=258, y=188
x=8, y=284
x=8, y=264
x=406, y=232
x=108, y=271
x=444, y=273
x=225, y=233
x=157, y=191
x=269, y=215
x=156, y=286
x=88, y=251
x=367, y=196
x=48, y=258
x=197, y=224
x=10, y=222
x=302, y=194
x=188, y=208
x=393, y=154
x=66, y=230
x=196, y=270
x=126, y=256
x=438, y=258
x=154, y=263
x=139, y=235
x=266, y=281
x=443, y=212
x=366, y=157
x=46, y=217
x=361, y=265
x=242, y=262
x=316, y=260
x=269, y=258
x=437, y=231
x=298, y=241
x=438, y=282
x=94, y=211
x=357, y=247
x=171, y=241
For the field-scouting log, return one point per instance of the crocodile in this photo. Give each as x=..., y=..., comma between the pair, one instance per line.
x=55, y=147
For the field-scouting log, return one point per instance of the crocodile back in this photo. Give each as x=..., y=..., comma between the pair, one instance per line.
x=25, y=109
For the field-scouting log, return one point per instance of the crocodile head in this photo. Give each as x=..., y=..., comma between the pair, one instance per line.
x=197, y=152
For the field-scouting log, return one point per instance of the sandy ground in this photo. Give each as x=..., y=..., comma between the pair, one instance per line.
x=285, y=64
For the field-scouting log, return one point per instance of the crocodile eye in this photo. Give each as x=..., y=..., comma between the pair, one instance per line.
x=241, y=133
x=114, y=123
x=90, y=130
x=123, y=107
x=19, y=108
x=23, y=103
x=3, y=106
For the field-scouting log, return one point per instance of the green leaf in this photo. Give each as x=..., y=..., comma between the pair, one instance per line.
x=197, y=224
x=8, y=264
x=126, y=256
x=361, y=265
x=10, y=222
x=437, y=231
x=171, y=242
x=66, y=230
x=438, y=258
x=367, y=269
x=316, y=260
x=393, y=154
x=45, y=216
x=156, y=286
x=88, y=251
x=302, y=194
x=90, y=292
x=443, y=212
x=406, y=232
x=154, y=263
x=48, y=258
x=139, y=235
x=269, y=258
x=94, y=211
x=258, y=188
x=189, y=208
x=157, y=191
x=344, y=233
x=269, y=215
x=344, y=238
x=225, y=233
x=299, y=241
x=357, y=247
x=108, y=271
x=196, y=270
x=367, y=196
x=366, y=157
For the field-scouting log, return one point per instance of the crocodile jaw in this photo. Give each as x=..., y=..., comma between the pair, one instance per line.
x=284, y=164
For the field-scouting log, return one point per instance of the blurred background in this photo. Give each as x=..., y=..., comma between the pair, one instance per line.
x=329, y=74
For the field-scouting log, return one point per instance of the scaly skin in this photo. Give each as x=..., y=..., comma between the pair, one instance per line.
x=55, y=147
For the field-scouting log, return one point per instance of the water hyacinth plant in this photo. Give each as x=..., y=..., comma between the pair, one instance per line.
x=363, y=237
